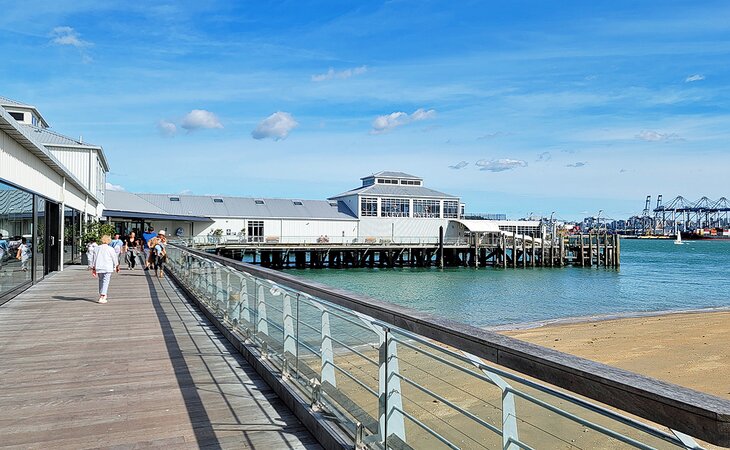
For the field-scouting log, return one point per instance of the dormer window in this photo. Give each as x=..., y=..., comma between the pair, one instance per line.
x=217, y=200
x=174, y=199
x=259, y=202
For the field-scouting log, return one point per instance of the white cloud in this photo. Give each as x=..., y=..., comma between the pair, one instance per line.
x=655, y=136
x=385, y=123
x=494, y=135
x=68, y=36
x=577, y=164
x=198, y=119
x=166, y=128
x=459, y=165
x=185, y=192
x=277, y=126
x=332, y=74
x=113, y=187
x=695, y=77
x=500, y=165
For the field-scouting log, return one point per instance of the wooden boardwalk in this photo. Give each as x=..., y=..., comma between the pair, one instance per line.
x=144, y=370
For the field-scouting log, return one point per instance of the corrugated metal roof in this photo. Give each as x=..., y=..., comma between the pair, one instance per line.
x=243, y=207
x=15, y=201
x=396, y=191
x=48, y=137
x=9, y=101
x=388, y=173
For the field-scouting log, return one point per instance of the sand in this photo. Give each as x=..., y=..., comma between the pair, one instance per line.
x=688, y=349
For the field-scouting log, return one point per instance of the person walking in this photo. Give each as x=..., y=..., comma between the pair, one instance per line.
x=158, y=253
x=4, y=249
x=117, y=244
x=105, y=263
x=24, y=254
x=131, y=250
x=146, y=237
x=90, y=252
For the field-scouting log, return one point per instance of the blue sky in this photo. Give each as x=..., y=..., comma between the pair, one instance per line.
x=518, y=106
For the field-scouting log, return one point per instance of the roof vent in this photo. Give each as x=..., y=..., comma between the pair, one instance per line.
x=297, y=202
x=174, y=199
x=333, y=203
x=217, y=200
x=259, y=202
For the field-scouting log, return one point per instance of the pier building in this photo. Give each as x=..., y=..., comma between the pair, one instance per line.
x=50, y=186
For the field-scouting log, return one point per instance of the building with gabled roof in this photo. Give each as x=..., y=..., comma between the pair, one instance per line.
x=50, y=186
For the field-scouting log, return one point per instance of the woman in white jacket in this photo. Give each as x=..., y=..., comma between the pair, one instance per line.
x=106, y=262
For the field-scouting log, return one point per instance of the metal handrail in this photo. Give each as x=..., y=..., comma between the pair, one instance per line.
x=690, y=407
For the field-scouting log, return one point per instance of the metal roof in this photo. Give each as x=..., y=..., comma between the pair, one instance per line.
x=396, y=191
x=25, y=138
x=241, y=207
x=53, y=138
x=387, y=173
x=4, y=101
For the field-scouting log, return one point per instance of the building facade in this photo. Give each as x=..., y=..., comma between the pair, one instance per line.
x=50, y=186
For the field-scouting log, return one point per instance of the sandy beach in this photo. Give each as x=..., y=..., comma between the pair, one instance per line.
x=688, y=349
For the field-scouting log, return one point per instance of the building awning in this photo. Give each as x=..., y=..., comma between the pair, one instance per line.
x=478, y=226
x=153, y=216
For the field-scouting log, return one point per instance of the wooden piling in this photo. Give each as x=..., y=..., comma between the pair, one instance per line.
x=514, y=249
x=532, y=250
x=618, y=251
x=590, y=249
x=524, y=252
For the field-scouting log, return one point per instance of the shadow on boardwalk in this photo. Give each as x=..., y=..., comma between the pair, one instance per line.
x=146, y=369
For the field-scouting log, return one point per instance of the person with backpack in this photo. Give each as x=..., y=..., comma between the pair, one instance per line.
x=146, y=237
x=158, y=253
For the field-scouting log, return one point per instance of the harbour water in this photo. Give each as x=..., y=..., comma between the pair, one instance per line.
x=655, y=276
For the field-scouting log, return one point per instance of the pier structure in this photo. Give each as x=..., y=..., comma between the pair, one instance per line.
x=499, y=249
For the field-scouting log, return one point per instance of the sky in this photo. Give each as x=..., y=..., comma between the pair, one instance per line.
x=522, y=107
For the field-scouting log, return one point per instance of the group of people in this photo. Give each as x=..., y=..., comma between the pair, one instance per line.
x=23, y=252
x=104, y=258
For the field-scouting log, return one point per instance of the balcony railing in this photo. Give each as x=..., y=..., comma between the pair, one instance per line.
x=390, y=377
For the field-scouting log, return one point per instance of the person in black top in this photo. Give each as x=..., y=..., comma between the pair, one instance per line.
x=131, y=250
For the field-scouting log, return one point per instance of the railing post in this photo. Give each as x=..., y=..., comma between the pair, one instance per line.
x=288, y=320
x=262, y=323
x=327, y=353
x=509, y=413
x=390, y=401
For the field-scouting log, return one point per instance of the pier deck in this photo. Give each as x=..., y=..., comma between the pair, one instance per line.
x=146, y=369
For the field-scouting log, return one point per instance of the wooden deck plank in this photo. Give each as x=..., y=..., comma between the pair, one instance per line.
x=145, y=370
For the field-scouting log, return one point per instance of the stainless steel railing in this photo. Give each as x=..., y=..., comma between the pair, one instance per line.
x=389, y=387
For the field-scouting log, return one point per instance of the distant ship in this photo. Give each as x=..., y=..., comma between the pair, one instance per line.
x=708, y=234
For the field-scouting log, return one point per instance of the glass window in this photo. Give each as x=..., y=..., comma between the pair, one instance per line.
x=368, y=207
x=16, y=237
x=451, y=209
x=394, y=207
x=255, y=230
x=427, y=208
x=19, y=116
x=71, y=236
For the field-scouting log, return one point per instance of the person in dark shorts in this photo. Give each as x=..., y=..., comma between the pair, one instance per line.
x=146, y=237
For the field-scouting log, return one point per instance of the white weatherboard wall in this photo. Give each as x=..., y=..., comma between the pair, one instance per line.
x=285, y=230
x=402, y=227
x=19, y=166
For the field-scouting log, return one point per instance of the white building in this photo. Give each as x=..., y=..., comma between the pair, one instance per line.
x=49, y=186
x=387, y=207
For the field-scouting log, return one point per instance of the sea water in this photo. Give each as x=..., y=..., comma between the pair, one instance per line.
x=655, y=276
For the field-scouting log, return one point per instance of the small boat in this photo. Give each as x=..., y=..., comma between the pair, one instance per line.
x=678, y=241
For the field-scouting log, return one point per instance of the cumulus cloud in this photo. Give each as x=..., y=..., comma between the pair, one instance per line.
x=655, y=136
x=277, y=126
x=459, y=165
x=333, y=74
x=386, y=123
x=113, y=187
x=695, y=77
x=544, y=156
x=500, y=165
x=166, y=128
x=199, y=119
x=68, y=36
x=577, y=164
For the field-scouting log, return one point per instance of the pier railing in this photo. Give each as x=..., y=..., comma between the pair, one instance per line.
x=253, y=241
x=389, y=377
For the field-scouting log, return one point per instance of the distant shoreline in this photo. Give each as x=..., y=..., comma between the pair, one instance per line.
x=601, y=318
